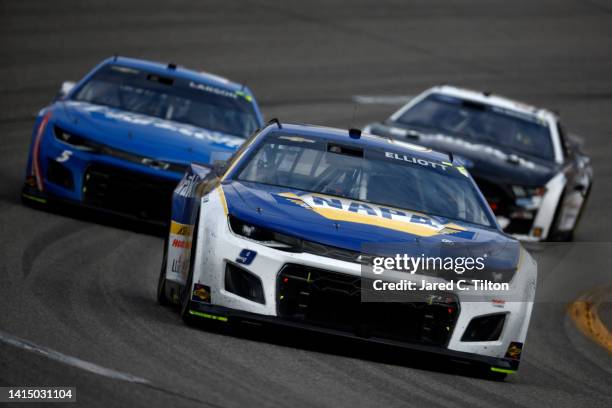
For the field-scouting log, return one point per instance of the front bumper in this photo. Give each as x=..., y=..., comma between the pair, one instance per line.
x=32, y=196
x=218, y=247
x=234, y=316
x=100, y=182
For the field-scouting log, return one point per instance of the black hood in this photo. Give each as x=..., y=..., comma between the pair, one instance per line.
x=483, y=161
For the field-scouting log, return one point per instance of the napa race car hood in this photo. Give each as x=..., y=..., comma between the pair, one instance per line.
x=482, y=161
x=145, y=135
x=363, y=227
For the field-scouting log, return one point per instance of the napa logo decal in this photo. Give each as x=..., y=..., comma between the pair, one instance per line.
x=338, y=209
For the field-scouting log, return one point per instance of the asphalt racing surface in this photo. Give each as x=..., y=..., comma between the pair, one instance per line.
x=77, y=298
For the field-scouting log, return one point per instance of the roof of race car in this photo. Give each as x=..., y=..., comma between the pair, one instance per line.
x=177, y=71
x=366, y=140
x=282, y=208
x=495, y=100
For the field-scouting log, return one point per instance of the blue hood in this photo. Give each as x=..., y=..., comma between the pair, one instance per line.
x=145, y=135
x=363, y=227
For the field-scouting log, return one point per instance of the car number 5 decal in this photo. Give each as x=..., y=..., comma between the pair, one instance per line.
x=64, y=156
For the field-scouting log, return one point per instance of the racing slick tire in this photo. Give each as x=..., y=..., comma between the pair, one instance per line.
x=187, y=317
x=495, y=376
x=584, y=204
x=566, y=236
x=162, y=297
x=30, y=197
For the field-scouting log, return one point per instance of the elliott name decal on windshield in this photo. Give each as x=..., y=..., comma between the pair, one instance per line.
x=414, y=160
x=376, y=215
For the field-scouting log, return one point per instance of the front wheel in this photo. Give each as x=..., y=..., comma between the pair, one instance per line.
x=162, y=297
x=187, y=317
x=493, y=376
x=555, y=234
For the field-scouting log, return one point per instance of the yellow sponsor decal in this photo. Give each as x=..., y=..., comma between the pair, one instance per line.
x=338, y=209
x=180, y=229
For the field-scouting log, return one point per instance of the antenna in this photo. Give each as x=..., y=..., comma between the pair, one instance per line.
x=354, y=132
x=354, y=115
x=171, y=65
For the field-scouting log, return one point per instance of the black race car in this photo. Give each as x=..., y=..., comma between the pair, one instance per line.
x=533, y=175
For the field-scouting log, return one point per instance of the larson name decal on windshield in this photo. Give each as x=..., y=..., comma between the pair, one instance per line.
x=212, y=89
x=144, y=120
x=221, y=91
x=376, y=215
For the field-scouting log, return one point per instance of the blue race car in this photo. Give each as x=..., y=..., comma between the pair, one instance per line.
x=121, y=138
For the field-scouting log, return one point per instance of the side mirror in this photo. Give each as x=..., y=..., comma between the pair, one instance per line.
x=64, y=89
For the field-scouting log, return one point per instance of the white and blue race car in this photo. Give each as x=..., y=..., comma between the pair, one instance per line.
x=286, y=232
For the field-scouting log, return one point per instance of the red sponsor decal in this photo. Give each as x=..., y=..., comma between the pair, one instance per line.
x=181, y=243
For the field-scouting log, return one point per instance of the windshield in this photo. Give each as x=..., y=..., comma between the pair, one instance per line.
x=389, y=178
x=174, y=99
x=482, y=124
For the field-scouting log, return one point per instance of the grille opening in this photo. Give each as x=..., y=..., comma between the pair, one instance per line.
x=128, y=192
x=485, y=328
x=518, y=226
x=500, y=196
x=60, y=175
x=244, y=284
x=86, y=144
x=333, y=300
x=501, y=200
